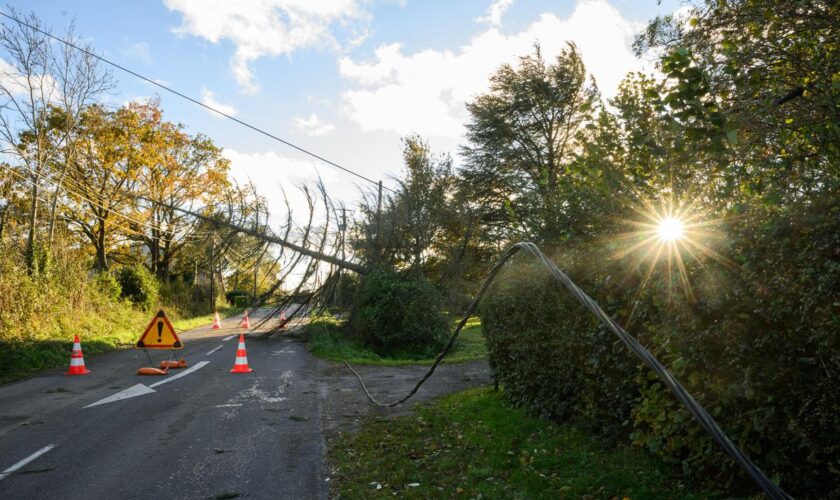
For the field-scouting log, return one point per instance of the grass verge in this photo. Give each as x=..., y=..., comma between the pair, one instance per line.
x=472, y=444
x=188, y=323
x=114, y=327
x=327, y=340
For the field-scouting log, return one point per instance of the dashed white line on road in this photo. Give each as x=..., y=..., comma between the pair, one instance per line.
x=197, y=366
x=25, y=461
x=228, y=338
x=214, y=350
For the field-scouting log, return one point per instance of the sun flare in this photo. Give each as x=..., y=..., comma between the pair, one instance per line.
x=670, y=229
x=670, y=235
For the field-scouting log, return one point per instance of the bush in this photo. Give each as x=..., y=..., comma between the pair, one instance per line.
x=758, y=348
x=237, y=298
x=138, y=286
x=108, y=286
x=399, y=314
x=187, y=298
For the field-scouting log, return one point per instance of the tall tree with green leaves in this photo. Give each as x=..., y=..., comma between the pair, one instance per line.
x=523, y=136
x=765, y=76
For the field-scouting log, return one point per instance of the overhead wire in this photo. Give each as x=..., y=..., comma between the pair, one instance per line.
x=68, y=181
x=194, y=101
x=45, y=199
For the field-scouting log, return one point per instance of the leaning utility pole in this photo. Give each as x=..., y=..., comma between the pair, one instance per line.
x=265, y=237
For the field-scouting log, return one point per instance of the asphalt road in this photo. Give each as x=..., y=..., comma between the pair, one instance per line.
x=206, y=434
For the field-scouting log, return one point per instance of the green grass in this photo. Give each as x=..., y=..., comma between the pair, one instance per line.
x=473, y=443
x=326, y=340
x=114, y=327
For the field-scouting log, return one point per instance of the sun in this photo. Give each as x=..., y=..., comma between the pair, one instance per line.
x=669, y=234
x=670, y=229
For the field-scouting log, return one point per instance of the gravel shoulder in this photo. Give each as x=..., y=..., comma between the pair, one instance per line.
x=346, y=407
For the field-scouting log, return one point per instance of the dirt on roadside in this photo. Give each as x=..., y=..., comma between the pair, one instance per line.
x=346, y=406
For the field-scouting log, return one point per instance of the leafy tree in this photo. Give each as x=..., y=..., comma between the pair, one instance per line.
x=181, y=171
x=105, y=170
x=770, y=73
x=44, y=88
x=523, y=136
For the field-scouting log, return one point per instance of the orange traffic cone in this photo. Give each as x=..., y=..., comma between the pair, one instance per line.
x=246, y=323
x=77, y=360
x=241, y=364
x=216, y=323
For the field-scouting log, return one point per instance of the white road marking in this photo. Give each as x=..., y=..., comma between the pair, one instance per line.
x=225, y=406
x=141, y=390
x=197, y=366
x=133, y=391
x=26, y=461
x=228, y=338
x=214, y=350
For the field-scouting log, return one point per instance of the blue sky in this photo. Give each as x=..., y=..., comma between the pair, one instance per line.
x=344, y=78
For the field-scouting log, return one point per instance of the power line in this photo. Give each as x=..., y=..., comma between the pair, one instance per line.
x=194, y=101
x=66, y=186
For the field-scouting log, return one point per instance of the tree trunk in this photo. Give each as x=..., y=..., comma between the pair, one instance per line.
x=33, y=219
x=3, y=213
x=101, y=256
x=53, y=205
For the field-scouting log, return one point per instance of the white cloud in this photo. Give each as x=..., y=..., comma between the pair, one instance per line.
x=495, y=12
x=272, y=174
x=137, y=50
x=313, y=125
x=208, y=98
x=425, y=92
x=15, y=84
x=270, y=27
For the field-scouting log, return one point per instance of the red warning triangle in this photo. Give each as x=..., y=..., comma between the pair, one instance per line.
x=160, y=334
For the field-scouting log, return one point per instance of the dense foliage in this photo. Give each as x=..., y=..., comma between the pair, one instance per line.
x=89, y=232
x=399, y=314
x=739, y=138
x=138, y=286
x=553, y=358
x=758, y=348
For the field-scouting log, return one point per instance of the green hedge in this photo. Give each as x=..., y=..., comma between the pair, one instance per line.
x=552, y=356
x=759, y=348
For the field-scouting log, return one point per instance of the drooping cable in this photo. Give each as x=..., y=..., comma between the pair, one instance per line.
x=697, y=411
x=192, y=100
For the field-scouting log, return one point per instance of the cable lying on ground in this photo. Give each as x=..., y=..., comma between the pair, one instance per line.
x=700, y=414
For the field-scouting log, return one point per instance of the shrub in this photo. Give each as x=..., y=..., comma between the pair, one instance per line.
x=237, y=298
x=108, y=286
x=399, y=314
x=138, y=286
x=760, y=349
x=187, y=298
